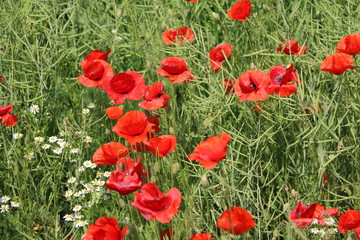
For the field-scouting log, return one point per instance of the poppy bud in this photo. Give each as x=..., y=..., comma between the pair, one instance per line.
x=170, y=13
x=118, y=13
x=285, y=206
x=266, y=7
x=122, y=203
x=157, y=8
x=156, y=167
x=275, y=234
x=163, y=25
x=171, y=131
x=147, y=64
x=107, y=131
x=175, y=167
x=294, y=193
x=215, y=16
x=204, y=181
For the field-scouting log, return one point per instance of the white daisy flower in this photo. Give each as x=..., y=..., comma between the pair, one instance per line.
x=4, y=199
x=126, y=220
x=106, y=197
x=29, y=155
x=71, y=180
x=39, y=139
x=85, y=111
x=93, y=165
x=113, y=31
x=329, y=221
x=68, y=193
x=85, y=191
x=74, y=150
x=98, y=189
x=333, y=230
x=107, y=174
x=45, y=146
x=88, y=139
x=60, y=141
x=57, y=150
x=81, y=169
x=322, y=232
x=87, y=164
x=52, y=139
x=34, y=109
x=77, y=208
x=80, y=223
x=77, y=133
x=68, y=218
x=88, y=187
x=88, y=204
x=63, y=145
x=14, y=204
x=118, y=38
x=17, y=136
x=91, y=105
x=314, y=222
x=78, y=216
x=4, y=208
x=101, y=183
x=314, y=230
x=98, y=174
x=62, y=133
x=77, y=194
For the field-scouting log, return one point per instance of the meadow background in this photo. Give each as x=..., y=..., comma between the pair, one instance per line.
x=275, y=158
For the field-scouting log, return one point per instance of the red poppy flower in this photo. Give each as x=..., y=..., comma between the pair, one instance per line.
x=291, y=47
x=114, y=112
x=154, y=97
x=303, y=216
x=129, y=179
x=252, y=86
x=95, y=54
x=349, y=44
x=129, y=85
x=178, y=36
x=201, y=236
x=167, y=234
x=153, y=204
x=133, y=126
x=1, y=78
x=174, y=68
x=156, y=123
x=211, y=151
x=337, y=63
x=229, y=85
x=218, y=54
x=350, y=220
x=8, y=119
x=236, y=220
x=240, y=10
x=161, y=146
x=281, y=80
x=95, y=73
x=109, y=153
x=105, y=228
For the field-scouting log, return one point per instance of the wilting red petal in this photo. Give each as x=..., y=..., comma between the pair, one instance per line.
x=129, y=85
x=350, y=44
x=337, y=63
x=109, y=153
x=178, y=36
x=161, y=146
x=114, y=112
x=252, y=86
x=133, y=126
x=105, y=228
x=5, y=110
x=9, y=120
x=201, y=236
x=291, y=47
x=218, y=54
x=153, y=204
x=167, y=234
x=154, y=97
x=236, y=220
x=95, y=73
x=211, y=151
x=240, y=10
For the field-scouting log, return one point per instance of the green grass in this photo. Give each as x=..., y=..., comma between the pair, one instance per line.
x=275, y=158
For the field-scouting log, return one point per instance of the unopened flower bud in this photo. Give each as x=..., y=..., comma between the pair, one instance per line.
x=204, y=181
x=215, y=16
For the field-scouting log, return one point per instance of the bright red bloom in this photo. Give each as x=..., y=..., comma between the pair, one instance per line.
x=350, y=220
x=95, y=54
x=152, y=203
x=109, y=153
x=129, y=85
x=291, y=47
x=8, y=119
x=229, y=85
x=201, y=236
x=114, y=112
x=240, y=10
x=105, y=228
x=95, y=73
x=218, y=54
x=303, y=216
x=252, y=86
x=211, y=151
x=195, y=1
x=236, y=220
x=337, y=63
x=349, y=44
x=178, y=36
x=161, y=146
x=133, y=126
x=154, y=97
x=1, y=78
x=282, y=80
x=129, y=179
x=167, y=234
x=174, y=68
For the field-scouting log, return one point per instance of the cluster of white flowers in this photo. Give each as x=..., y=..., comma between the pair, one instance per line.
x=323, y=232
x=86, y=110
x=5, y=204
x=76, y=217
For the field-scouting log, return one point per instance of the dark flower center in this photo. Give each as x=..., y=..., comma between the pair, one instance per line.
x=122, y=83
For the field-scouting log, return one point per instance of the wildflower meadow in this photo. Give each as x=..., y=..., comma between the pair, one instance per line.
x=179, y=119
